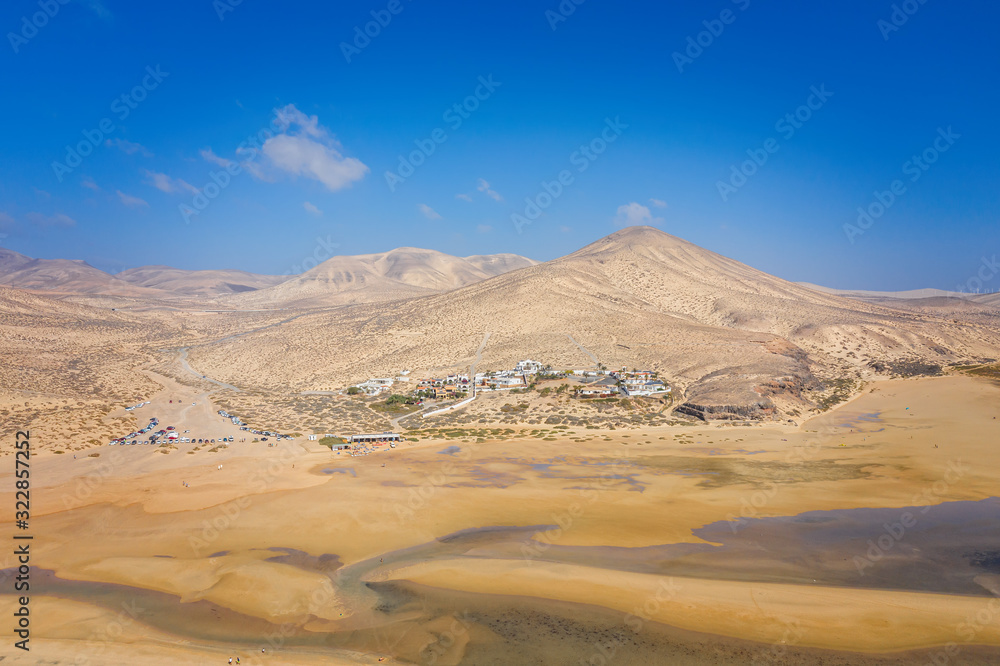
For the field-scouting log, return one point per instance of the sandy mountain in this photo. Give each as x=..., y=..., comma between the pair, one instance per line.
x=865, y=294
x=64, y=276
x=401, y=273
x=926, y=300
x=989, y=299
x=498, y=264
x=729, y=335
x=11, y=261
x=206, y=283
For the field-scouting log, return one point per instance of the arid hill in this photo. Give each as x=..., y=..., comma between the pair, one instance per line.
x=874, y=296
x=973, y=307
x=401, y=273
x=730, y=336
x=63, y=276
x=208, y=283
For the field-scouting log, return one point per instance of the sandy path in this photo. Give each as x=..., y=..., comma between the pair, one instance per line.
x=584, y=350
x=479, y=357
x=182, y=359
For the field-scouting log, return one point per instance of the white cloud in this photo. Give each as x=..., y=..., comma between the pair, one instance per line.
x=659, y=203
x=165, y=183
x=485, y=188
x=89, y=183
x=634, y=214
x=6, y=221
x=484, y=228
x=209, y=156
x=464, y=197
x=312, y=209
x=565, y=229
x=41, y=193
x=308, y=149
x=130, y=201
x=57, y=220
x=428, y=212
x=128, y=147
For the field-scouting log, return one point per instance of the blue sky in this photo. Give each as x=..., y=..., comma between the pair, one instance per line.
x=663, y=132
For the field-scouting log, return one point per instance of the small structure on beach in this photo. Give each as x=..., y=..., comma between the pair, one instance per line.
x=375, y=438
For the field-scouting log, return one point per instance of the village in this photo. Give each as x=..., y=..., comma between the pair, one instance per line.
x=439, y=392
x=600, y=383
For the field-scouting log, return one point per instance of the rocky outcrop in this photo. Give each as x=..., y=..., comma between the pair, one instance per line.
x=758, y=411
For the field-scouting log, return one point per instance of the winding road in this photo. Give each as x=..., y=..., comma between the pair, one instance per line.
x=182, y=357
x=479, y=358
x=584, y=350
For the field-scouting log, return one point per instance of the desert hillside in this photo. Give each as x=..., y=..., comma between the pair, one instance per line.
x=728, y=334
x=206, y=283
x=401, y=273
x=63, y=276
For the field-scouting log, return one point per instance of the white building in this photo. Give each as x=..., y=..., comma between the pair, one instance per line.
x=510, y=381
x=529, y=367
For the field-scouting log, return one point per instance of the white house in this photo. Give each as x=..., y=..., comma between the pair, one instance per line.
x=647, y=388
x=528, y=366
x=603, y=388
x=511, y=381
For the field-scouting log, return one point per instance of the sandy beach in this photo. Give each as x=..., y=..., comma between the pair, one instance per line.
x=662, y=519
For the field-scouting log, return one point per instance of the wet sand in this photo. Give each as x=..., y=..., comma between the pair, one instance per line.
x=542, y=550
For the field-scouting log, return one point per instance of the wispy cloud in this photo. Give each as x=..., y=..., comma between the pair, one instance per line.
x=565, y=229
x=57, y=220
x=209, y=155
x=128, y=147
x=464, y=197
x=165, y=183
x=89, y=183
x=659, y=203
x=309, y=149
x=6, y=221
x=484, y=228
x=634, y=214
x=130, y=201
x=41, y=193
x=428, y=212
x=312, y=209
x=98, y=8
x=485, y=188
